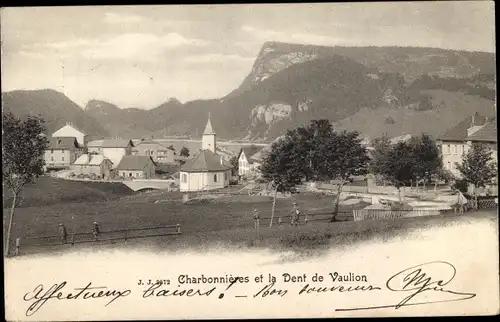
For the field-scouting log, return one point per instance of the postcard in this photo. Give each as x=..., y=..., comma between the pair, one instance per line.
x=249, y=161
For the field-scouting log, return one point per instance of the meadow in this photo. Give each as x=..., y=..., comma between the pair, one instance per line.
x=225, y=219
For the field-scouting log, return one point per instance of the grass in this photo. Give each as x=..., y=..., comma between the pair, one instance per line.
x=49, y=191
x=227, y=220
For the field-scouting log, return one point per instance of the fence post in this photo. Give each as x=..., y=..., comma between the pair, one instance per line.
x=18, y=242
x=73, y=239
x=126, y=235
x=178, y=229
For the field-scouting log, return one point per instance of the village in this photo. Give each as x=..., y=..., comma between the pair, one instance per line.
x=213, y=178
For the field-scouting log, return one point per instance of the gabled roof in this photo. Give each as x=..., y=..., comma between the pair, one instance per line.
x=134, y=162
x=110, y=143
x=82, y=159
x=61, y=142
x=208, y=127
x=249, y=151
x=487, y=134
x=205, y=161
x=69, y=124
x=459, y=131
x=90, y=159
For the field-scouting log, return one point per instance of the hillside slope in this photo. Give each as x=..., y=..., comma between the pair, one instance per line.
x=56, y=109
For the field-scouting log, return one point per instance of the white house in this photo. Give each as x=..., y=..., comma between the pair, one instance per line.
x=113, y=149
x=457, y=141
x=69, y=130
x=246, y=162
x=206, y=170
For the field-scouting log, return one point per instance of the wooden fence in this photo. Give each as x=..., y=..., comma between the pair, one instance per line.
x=104, y=236
x=366, y=214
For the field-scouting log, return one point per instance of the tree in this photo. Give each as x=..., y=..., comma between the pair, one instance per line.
x=478, y=167
x=381, y=148
x=184, y=152
x=22, y=157
x=280, y=170
x=428, y=160
x=234, y=163
x=397, y=165
x=340, y=157
x=307, y=140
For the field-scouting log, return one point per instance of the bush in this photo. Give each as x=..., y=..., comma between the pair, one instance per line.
x=389, y=120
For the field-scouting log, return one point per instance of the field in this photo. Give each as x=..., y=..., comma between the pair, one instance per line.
x=223, y=220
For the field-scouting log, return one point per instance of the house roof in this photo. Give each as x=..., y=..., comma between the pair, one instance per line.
x=82, y=159
x=134, y=162
x=208, y=127
x=60, y=143
x=205, y=161
x=249, y=151
x=459, y=131
x=70, y=124
x=90, y=159
x=401, y=138
x=110, y=143
x=487, y=134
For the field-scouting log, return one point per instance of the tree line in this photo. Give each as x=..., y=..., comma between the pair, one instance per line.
x=318, y=153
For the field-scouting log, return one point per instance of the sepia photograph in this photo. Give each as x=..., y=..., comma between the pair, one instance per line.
x=249, y=161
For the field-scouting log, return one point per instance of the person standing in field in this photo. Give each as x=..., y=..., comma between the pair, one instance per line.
x=62, y=233
x=256, y=220
x=95, y=230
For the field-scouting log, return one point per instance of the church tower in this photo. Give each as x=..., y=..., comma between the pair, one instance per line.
x=208, y=140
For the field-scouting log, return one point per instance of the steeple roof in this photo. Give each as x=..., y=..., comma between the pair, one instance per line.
x=208, y=128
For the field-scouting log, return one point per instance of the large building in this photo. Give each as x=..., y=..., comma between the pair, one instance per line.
x=158, y=152
x=113, y=149
x=61, y=152
x=206, y=170
x=69, y=130
x=457, y=141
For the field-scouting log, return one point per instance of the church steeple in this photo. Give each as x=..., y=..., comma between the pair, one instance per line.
x=208, y=127
x=208, y=139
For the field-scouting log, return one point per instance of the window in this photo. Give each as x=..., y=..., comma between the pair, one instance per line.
x=62, y=158
x=447, y=148
x=225, y=176
x=51, y=158
x=184, y=178
x=52, y=151
x=130, y=174
x=215, y=177
x=449, y=165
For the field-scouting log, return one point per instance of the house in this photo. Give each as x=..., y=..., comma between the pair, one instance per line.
x=69, y=130
x=89, y=163
x=245, y=160
x=113, y=149
x=136, y=167
x=61, y=152
x=258, y=158
x=457, y=141
x=158, y=152
x=206, y=170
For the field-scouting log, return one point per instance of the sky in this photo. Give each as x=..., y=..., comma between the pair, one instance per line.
x=140, y=56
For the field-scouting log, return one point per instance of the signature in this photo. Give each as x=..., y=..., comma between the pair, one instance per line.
x=430, y=277
x=40, y=296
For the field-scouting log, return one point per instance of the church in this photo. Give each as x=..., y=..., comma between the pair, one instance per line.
x=206, y=170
